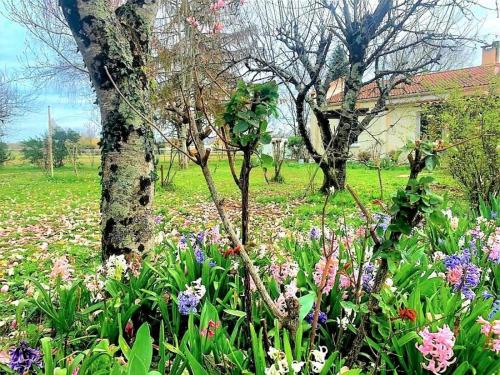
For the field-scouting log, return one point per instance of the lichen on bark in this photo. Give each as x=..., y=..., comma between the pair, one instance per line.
x=119, y=41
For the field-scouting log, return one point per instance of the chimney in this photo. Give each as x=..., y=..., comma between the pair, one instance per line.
x=491, y=54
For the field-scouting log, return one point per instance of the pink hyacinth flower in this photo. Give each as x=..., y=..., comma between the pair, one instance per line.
x=218, y=26
x=61, y=268
x=437, y=349
x=454, y=275
x=330, y=276
x=193, y=22
x=217, y=5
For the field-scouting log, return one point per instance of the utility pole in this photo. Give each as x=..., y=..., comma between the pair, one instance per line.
x=49, y=147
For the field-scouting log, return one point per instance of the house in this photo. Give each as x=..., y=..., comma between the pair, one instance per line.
x=403, y=119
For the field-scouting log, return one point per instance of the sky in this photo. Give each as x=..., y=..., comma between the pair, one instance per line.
x=71, y=111
x=68, y=111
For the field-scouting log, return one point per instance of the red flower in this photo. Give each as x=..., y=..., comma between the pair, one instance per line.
x=232, y=251
x=129, y=329
x=210, y=330
x=409, y=314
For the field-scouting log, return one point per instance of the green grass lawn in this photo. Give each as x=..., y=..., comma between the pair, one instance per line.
x=42, y=217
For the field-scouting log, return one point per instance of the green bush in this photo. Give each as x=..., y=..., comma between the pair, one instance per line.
x=472, y=123
x=4, y=153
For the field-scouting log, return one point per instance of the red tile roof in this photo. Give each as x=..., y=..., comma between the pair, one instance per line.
x=467, y=78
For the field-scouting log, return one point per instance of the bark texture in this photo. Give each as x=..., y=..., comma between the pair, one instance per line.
x=119, y=40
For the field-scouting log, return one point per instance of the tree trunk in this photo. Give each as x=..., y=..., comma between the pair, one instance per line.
x=183, y=160
x=334, y=175
x=119, y=41
x=245, y=219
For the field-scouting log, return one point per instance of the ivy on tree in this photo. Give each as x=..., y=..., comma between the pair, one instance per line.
x=247, y=116
x=247, y=113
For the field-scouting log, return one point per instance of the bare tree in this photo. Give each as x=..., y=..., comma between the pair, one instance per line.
x=51, y=52
x=189, y=39
x=12, y=101
x=386, y=42
x=294, y=44
x=117, y=42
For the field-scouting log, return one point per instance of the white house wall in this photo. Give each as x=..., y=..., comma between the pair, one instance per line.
x=386, y=133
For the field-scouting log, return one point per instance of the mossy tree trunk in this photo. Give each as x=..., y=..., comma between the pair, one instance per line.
x=119, y=40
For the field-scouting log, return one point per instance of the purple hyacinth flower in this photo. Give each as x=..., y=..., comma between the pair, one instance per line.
x=487, y=295
x=200, y=237
x=187, y=302
x=367, y=277
x=199, y=255
x=322, y=317
x=452, y=261
x=382, y=220
x=182, y=243
x=23, y=358
x=315, y=234
x=494, y=309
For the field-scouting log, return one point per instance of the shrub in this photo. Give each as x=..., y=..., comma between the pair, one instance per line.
x=296, y=147
x=364, y=156
x=4, y=153
x=394, y=155
x=473, y=124
x=34, y=151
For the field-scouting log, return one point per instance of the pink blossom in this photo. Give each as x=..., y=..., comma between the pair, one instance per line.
x=218, y=26
x=195, y=24
x=495, y=345
x=217, y=5
x=330, y=276
x=437, y=348
x=493, y=246
x=291, y=289
x=485, y=325
x=4, y=357
x=281, y=272
x=492, y=333
x=345, y=281
x=61, y=269
x=454, y=275
x=496, y=327
x=4, y=288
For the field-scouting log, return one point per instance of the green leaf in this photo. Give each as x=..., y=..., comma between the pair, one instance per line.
x=430, y=162
x=48, y=361
x=196, y=367
x=237, y=313
x=265, y=138
x=462, y=369
x=124, y=346
x=266, y=159
x=306, y=304
x=410, y=336
x=426, y=180
x=241, y=126
x=141, y=353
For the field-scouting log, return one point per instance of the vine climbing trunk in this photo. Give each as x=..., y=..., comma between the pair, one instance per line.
x=117, y=41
